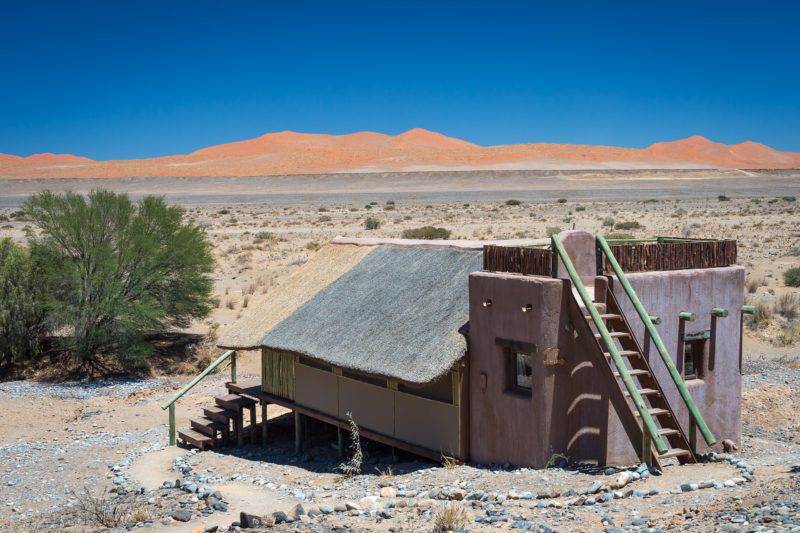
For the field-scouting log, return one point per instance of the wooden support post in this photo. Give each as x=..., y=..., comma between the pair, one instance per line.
x=340, y=445
x=264, y=423
x=298, y=432
x=692, y=435
x=647, y=448
x=240, y=429
x=233, y=367
x=172, y=425
x=253, y=425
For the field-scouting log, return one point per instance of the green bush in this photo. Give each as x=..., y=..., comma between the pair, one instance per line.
x=628, y=225
x=372, y=223
x=792, y=277
x=608, y=222
x=119, y=271
x=562, y=200
x=620, y=236
x=513, y=202
x=723, y=198
x=426, y=232
x=23, y=308
x=552, y=230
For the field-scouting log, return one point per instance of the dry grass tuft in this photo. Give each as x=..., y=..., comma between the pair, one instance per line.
x=788, y=305
x=754, y=283
x=105, y=510
x=450, y=517
x=352, y=467
x=450, y=462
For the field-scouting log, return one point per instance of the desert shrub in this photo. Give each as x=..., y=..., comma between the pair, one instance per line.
x=792, y=277
x=794, y=251
x=753, y=284
x=789, y=335
x=118, y=271
x=580, y=208
x=322, y=209
x=426, y=232
x=324, y=218
x=372, y=223
x=389, y=207
x=723, y=198
x=313, y=246
x=788, y=305
x=562, y=200
x=552, y=230
x=390, y=202
x=23, y=304
x=107, y=510
x=264, y=236
x=678, y=213
x=352, y=467
x=789, y=198
x=513, y=202
x=450, y=517
x=761, y=318
x=608, y=222
x=633, y=224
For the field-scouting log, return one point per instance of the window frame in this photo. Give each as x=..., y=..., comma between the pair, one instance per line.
x=512, y=384
x=699, y=343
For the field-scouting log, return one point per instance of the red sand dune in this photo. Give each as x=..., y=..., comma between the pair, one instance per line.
x=417, y=149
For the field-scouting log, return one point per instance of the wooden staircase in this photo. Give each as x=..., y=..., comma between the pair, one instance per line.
x=639, y=369
x=222, y=423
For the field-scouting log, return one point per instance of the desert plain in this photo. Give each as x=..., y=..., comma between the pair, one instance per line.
x=112, y=435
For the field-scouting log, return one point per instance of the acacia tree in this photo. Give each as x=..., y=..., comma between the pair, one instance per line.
x=119, y=270
x=23, y=314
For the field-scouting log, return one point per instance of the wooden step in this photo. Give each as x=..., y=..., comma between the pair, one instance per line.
x=220, y=414
x=207, y=426
x=604, y=316
x=624, y=353
x=234, y=402
x=674, y=452
x=656, y=411
x=195, y=438
x=614, y=335
x=645, y=392
x=666, y=432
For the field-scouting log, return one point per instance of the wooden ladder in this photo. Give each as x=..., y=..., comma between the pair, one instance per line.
x=638, y=367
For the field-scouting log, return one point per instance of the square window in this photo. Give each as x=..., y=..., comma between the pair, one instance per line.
x=693, y=352
x=521, y=371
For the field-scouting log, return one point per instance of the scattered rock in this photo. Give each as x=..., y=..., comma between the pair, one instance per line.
x=181, y=515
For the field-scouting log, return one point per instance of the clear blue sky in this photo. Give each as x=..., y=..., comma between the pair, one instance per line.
x=122, y=79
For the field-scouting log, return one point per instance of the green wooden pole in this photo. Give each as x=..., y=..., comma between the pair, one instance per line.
x=719, y=312
x=656, y=338
x=197, y=379
x=686, y=315
x=233, y=367
x=649, y=424
x=749, y=309
x=172, y=425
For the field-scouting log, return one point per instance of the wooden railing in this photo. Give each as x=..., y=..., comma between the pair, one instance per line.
x=518, y=259
x=669, y=253
x=170, y=404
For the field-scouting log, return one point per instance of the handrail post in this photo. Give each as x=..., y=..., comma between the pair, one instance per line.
x=172, y=425
x=694, y=412
x=233, y=367
x=648, y=423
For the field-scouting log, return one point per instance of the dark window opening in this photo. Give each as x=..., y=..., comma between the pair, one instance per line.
x=520, y=372
x=372, y=380
x=693, y=354
x=313, y=363
x=440, y=390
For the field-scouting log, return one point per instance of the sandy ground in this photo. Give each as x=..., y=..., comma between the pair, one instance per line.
x=261, y=236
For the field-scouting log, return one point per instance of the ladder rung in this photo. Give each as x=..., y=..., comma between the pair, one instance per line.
x=604, y=316
x=656, y=411
x=666, y=432
x=635, y=372
x=675, y=452
x=613, y=335
x=645, y=392
x=624, y=353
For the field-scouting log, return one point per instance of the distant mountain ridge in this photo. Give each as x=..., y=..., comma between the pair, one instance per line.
x=287, y=153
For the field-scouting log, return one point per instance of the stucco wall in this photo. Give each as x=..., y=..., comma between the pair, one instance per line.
x=665, y=294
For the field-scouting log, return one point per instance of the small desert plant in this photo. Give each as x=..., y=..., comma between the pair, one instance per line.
x=106, y=510
x=723, y=198
x=580, y=208
x=352, y=467
x=608, y=222
x=450, y=517
x=556, y=460
x=372, y=223
x=562, y=200
x=552, y=230
x=789, y=335
x=753, y=284
x=792, y=277
x=245, y=301
x=628, y=225
x=788, y=305
x=324, y=218
x=513, y=202
x=426, y=232
x=313, y=246
x=789, y=198
x=449, y=463
x=761, y=318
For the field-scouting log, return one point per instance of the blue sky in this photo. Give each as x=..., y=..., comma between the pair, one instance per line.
x=141, y=79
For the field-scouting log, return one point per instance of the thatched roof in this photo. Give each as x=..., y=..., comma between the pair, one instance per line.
x=322, y=268
x=396, y=313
